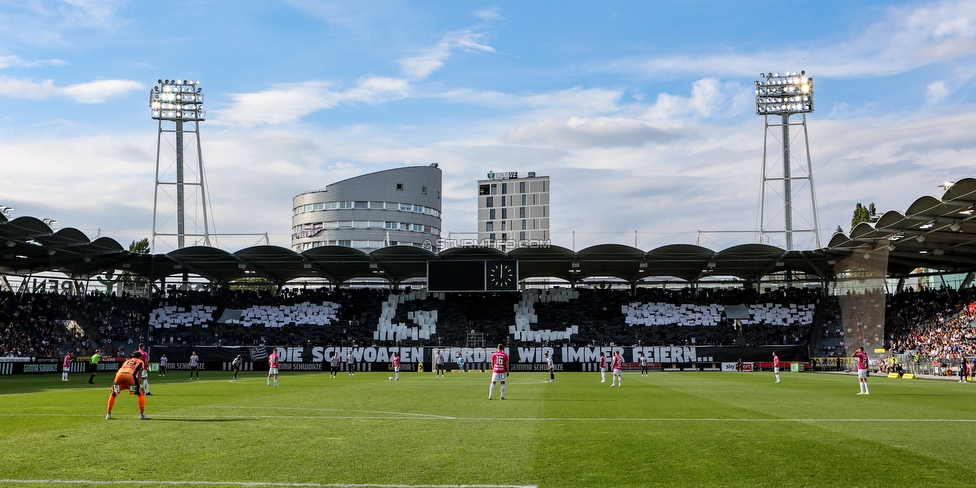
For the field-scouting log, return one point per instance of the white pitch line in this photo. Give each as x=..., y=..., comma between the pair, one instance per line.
x=256, y=483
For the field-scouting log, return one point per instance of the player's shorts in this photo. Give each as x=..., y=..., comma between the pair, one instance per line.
x=145, y=374
x=273, y=371
x=862, y=373
x=125, y=380
x=603, y=370
x=618, y=372
x=496, y=377
x=396, y=369
x=776, y=370
x=92, y=367
x=65, y=369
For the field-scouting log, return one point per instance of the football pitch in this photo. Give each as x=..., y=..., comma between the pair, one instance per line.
x=666, y=429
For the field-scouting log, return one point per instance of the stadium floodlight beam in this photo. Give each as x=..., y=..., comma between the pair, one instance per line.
x=786, y=95
x=177, y=103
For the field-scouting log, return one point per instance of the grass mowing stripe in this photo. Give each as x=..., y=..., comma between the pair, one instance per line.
x=508, y=419
x=255, y=483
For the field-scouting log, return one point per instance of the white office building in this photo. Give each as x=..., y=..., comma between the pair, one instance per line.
x=512, y=211
x=396, y=207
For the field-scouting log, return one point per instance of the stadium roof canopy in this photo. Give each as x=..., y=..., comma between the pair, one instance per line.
x=934, y=233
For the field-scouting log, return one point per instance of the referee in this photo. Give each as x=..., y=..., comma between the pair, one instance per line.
x=93, y=366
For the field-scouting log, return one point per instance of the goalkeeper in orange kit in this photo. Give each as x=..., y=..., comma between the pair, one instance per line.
x=128, y=377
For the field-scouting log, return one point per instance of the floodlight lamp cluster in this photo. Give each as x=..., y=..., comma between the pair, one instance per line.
x=791, y=93
x=177, y=100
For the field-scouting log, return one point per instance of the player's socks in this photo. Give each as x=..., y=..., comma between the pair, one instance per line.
x=142, y=403
x=502, y=396
x=491, y=390
x=111, y=403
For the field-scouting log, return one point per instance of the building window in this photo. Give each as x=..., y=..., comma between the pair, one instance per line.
x=522, y=236
x=504, y=213
x=524, y=199
x=489, y=226
x=523, y=224
x=504, y=237
x=423, y=190
x=483, y=190
x=494, y=188
x=418, y=208
x=418, y=227
x=521, y=212
x=491, y=237
x=503, y=224
x=399, y=186
x=344, y=243
x=489, y=201
x=404, y=226
x=392, y=225
x=406, y=207
x=504, y=188
x=522, y=188
x=491, y=214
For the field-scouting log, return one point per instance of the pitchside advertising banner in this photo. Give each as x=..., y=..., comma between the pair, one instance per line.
x=317, y=358
x=566, y=358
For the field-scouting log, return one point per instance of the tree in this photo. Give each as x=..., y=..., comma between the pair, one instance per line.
x=863, y=214
x=130, y=282
x=142, y=247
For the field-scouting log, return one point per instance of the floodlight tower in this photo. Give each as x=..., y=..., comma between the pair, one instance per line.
x=179, y=102
x=786, y=95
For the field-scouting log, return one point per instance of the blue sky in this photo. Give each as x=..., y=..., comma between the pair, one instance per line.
x=640, y=112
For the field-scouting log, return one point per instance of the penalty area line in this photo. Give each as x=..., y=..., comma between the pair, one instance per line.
x=253, y=483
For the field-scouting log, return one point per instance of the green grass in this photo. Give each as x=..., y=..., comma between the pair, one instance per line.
x=669, y=429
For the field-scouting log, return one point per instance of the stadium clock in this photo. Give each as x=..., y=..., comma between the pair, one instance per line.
x=502, y=275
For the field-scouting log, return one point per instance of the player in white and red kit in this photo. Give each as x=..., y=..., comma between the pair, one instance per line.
x=396, y=367
x=603, y=368
x=273, y=367
x=617, y=365
x=862, y=370
x=65, y=366
x=550, y=367
x=776, y=366
x=499, y=370
x=145, y=371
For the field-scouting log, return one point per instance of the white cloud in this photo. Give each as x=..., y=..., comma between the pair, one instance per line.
x=99, y=91
x=92, y=92
x=904, y=40
x=489, y=14
x=936, y=91
x=709, y=98
x=582, y=132
x=289, y=102
x=15, y=61
x=49, y=23
x=432, y=59
x=21, y=88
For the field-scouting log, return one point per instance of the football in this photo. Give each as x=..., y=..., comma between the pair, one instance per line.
x=391, y=378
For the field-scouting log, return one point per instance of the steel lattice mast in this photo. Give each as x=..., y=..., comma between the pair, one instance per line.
x=178, y=106
x=786, y=95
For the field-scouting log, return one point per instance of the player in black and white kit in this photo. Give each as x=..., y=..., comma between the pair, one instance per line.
x=237, y=364
x=334, y=363
x=351, y=363
x=162, y=365
x=194, y=365
x=439, y=364
x=643, y=365
x=550, y=367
